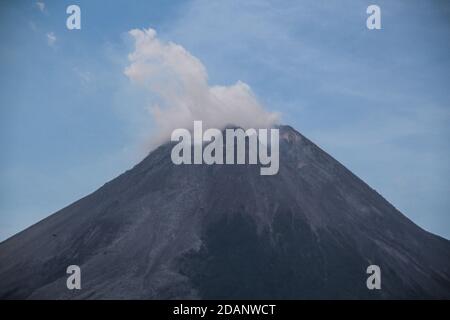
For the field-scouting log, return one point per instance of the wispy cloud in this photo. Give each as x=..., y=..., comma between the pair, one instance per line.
x=41, y=6
x=32, y=26
x=85, y=76
x=51, y=39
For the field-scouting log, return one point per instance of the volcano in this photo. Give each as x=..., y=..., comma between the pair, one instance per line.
x=166, y=231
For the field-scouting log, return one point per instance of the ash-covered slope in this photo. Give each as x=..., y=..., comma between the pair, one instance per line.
x=224, y=231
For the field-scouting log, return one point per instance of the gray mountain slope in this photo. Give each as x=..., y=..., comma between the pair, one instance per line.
x=161, y=231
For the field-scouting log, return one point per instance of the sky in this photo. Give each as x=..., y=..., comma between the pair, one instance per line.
x=73, y=118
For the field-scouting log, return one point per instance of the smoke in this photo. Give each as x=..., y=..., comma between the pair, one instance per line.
x=180, y=81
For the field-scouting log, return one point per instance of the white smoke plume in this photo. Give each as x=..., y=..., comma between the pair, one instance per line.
x=180, y=81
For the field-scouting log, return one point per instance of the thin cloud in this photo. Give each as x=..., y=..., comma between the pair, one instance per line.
x=32, y=26
x=51, y=39
x=85, y=76
x=41, y=6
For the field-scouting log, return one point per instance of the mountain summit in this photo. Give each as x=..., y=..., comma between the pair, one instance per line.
x=165, y=231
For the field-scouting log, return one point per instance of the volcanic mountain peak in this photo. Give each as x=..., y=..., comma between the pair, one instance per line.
x=224, y=231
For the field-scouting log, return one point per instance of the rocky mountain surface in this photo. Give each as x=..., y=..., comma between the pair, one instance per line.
x=165, y=231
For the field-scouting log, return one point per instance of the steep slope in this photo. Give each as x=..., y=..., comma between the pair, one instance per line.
x=224, y=231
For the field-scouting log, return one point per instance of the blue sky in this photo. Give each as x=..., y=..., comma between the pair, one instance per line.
x=378, y=101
